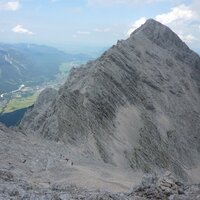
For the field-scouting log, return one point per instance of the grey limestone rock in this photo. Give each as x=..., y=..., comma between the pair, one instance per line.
x=137, y=106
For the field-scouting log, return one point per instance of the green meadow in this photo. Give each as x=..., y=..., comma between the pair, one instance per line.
x=21, y=102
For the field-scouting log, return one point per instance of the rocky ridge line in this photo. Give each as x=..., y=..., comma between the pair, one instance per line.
x=137, y=106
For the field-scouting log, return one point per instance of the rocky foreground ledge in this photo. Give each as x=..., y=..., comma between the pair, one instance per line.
x=152, y=187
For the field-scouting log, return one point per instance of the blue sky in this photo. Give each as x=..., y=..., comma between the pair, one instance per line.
x=93, y=23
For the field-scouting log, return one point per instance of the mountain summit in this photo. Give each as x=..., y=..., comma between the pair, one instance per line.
x=161, y=35
x=136, y=107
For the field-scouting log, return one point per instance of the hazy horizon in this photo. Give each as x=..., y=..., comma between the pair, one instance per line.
x=92, y=25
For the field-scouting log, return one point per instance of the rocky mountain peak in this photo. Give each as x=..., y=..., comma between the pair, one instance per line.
x=161, y=35
x=136, y=107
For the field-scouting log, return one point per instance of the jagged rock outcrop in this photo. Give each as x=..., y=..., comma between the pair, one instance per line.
x=137, y=106
x=39, y=112
x=164, y=188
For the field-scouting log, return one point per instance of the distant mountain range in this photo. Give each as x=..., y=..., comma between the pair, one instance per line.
x=30, y=63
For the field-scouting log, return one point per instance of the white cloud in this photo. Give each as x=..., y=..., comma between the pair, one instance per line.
x=180, y=12
x=136, y=25
x=102, y=30
x=20, y=29
x=83, y=32
x=188, y=38
x=10, y=5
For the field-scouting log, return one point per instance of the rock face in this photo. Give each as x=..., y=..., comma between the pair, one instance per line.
x=164, y=188
x=38, y=113
x=137, y=106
